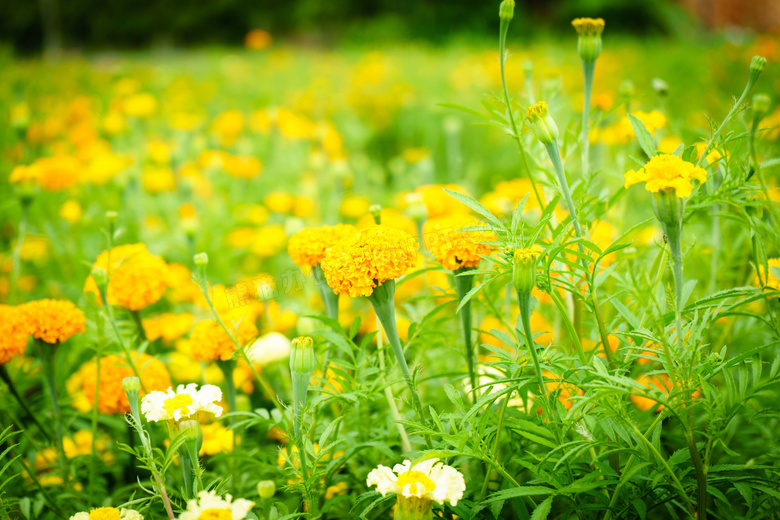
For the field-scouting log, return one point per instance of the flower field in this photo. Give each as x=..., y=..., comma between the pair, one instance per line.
x=520, y=281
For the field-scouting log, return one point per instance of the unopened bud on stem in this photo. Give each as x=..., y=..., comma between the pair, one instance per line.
x=524, y=269
x=589, y=37
x=539, y=119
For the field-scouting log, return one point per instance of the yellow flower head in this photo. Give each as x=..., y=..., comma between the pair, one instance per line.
x=137, y=277
x=308, y=246
x=113, y=369
x=437, y=202
x=667, y=172
x=537, y=111
x=53, y=320
x=375, y=255
x=13, y=333
x=452, y=247
x=108, y=513
x=141, y=105
x=210, y=342
x=588, y=26
x=168, y=326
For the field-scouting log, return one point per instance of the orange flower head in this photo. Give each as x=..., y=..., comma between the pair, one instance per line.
x=308, y=246
x=452, y=247
x=13, y=333
x=209, y=341
x=53, y=321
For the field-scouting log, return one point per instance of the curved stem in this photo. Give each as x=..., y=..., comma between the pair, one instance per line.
x=12, y=388
x=47, y=353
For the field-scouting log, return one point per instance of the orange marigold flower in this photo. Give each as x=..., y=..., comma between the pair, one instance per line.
x=168, y=326
x=210, y=342
x=53, y=320
x=13, y=333
x=113, y=369
x=452, y=247
x=137, y=277
x=308, y=246
x=667, y=172
x=375, y=255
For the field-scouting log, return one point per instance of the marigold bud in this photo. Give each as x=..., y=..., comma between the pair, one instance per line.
x=757, y=66
x=376, y=212
x=761, y=105
x=524, y=269
x=589, y=37
x=506, y=11
x=131, y=384
x=302, y=355
x=539, y=119
x=266, y=488
x=111, y=217
x=660, y=86
x=99, y=275
x=201, y=259
x=668, y=207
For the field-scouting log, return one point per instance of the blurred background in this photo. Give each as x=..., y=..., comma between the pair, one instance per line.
x=28, y=27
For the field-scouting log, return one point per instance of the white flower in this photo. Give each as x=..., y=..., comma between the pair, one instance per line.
x=186, y=401
x=269, y=348
x=210, y=506
x=108, y=513
x=428, y=479
x=486, y=385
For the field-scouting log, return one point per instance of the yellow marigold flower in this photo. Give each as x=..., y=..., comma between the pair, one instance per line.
x=228, y=126
x=375, y=255
x=13, y=333
x=137, y=278
x=452, y=247
x=210, y=342
x=168, y=326
x=622, y=132
x=308, y=246
x=354, y=206
x=269, y=241
x=157, y=179
x=112, y=398
x=438, y=202
x=257, y=39
x=114, y=123
x=242, y=166
x=181, y=288
x=108, y=513
x=141, y=105
x=71, y=211
x=279, y=201
x=216, y=439
x=588, y=26
x=53, y=320
x=294, y=126
x=772, y=280
x=159, y=151
x=415, y=155
x=104, y=166
x=507, y=194
x=303, y=206
x=666, y=172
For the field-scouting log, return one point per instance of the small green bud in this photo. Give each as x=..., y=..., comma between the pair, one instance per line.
x=415, y=206
x=527, y=66
x=668, y=207
x=660, y=86
x=302, y=355
x=761, y=105
x=266, y=488
x=524, y=269
x=201, y=259
x=131, y=384
x=758, y=64
x=506, y=10
x=111, y=217
x=376, y=212
x=538, y=117
x=589, y=37
x=99, y=275
x=626, y=89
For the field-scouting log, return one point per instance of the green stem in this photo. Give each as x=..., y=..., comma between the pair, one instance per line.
x=47, y=353
x=382, y=302
x=524, y=302
x=587, y=76
x=555, y=157
x=139, y=325
x=331, y=302
x=12, y=388
x=227, y=368
x=16, y=265
x=556, y=298
x=673, y=236
x=701, y=477
x=464, y=283
x=186, y=470
x=405, y=444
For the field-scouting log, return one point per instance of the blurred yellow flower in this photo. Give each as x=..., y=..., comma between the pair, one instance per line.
x=257, y=39
x=453, y=248
x=354, y=207
x=279, y=201
x=216, y=439
x=168, y=326
x=210, y=342
x=142, y=105
x=269, y=241
x=242, y=166
x=157, y=179
x=13, y=333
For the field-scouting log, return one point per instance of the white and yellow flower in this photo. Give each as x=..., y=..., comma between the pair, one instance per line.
x=185, y=402
x=108, y=513
x=429, y=480
x=209, y=506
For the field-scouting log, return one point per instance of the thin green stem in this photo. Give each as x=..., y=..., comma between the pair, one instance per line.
x=587, y=76
x=464, y=283
x=405, y=444
x=15, y=393
x=47, y=353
